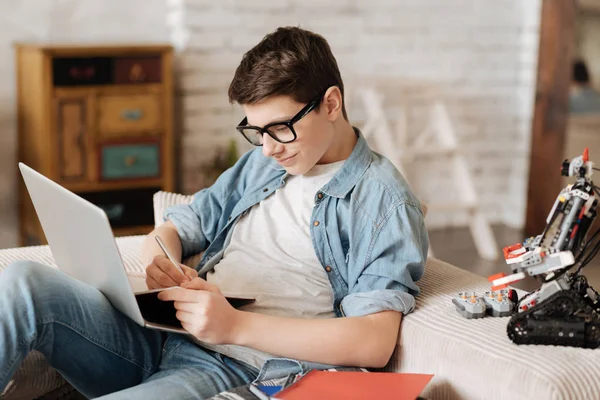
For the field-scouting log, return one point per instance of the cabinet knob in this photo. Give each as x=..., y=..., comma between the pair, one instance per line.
x=132, y=115
x=130, y=160
x=137, y=73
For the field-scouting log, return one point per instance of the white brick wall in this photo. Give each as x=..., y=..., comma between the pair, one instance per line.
x=483, y=53
x=111, y=21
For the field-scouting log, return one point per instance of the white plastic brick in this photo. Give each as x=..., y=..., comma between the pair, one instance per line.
x=211, y=121
x=322, y=5
x=193, y=82
x=258, y=5
x=200, y=18
x=244, y=41
x=206, y=102
x=206, y=41
x=202, y=62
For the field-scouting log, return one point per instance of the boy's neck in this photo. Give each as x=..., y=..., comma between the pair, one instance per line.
x=343, y=143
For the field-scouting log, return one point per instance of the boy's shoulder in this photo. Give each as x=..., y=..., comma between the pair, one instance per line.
x=384, y=184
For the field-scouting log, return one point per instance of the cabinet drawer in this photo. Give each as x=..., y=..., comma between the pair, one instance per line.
x=129, y=161
x=133, y=113
x=138, y=70
x=82, y=71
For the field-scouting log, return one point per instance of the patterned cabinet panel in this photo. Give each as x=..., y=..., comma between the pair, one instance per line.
x=72, y=135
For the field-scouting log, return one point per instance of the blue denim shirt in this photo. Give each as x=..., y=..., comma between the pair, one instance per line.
x=367, y=227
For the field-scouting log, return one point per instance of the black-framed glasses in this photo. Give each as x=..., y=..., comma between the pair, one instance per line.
x=283, y=131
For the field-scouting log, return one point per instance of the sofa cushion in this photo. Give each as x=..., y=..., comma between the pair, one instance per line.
x=471, y=359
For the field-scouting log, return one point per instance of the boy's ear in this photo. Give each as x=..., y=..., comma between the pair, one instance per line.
x=333, y=103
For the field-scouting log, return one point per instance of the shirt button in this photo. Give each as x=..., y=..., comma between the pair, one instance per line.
x=265, y=189
x=328, y=268
x=316, y=223
x=320, y=195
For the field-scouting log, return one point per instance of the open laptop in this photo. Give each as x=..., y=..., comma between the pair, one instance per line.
x=83, y=246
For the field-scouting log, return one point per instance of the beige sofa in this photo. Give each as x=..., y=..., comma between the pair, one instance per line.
x=471, y=359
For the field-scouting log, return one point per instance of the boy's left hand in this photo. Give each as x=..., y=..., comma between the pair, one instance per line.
x=204, y=311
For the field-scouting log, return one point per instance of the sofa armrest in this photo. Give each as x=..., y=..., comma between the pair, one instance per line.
x=163, y=200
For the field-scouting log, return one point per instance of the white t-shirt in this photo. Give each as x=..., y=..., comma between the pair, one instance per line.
x=271, y=258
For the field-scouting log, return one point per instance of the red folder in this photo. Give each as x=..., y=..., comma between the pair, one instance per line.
x=345, y=385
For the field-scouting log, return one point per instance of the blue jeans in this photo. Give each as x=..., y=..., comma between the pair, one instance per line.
x=97, y=349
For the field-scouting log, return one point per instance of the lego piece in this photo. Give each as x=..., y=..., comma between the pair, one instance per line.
x=513, y=296
x=498, y=304
x=503, y=282
x=469, y=305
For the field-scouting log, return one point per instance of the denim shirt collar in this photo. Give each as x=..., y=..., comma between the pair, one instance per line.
x=347, y=177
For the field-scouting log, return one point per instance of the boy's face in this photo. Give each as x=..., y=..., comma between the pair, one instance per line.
x=314, y=132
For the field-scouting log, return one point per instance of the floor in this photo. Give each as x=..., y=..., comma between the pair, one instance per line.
x=455, y=246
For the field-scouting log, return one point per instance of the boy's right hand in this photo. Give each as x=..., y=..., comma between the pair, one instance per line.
x=162, y=273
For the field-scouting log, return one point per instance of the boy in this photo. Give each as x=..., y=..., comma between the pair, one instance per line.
x=324, y=233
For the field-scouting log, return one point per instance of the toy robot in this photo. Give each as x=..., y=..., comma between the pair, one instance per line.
x=565, y=309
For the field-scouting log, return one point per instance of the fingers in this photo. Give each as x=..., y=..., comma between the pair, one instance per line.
x=186, y=317
x=192, y=325
x=166, y=274
x=151, y=283
x=189, y=272
x=185, y=306
x=200, y=284
x=182, y=295
x=196, y=283
x=155, y=274
x=171, y=270
x=188, y=326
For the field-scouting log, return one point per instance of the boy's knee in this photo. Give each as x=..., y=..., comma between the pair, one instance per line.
x=30, y=271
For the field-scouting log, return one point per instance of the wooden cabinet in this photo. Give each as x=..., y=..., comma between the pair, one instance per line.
x=99, y=121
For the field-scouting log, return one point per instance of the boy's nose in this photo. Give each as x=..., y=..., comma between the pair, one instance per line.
x=270, y=146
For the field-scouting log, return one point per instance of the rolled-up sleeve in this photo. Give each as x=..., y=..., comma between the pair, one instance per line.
x=188, y=221
x=395, y=261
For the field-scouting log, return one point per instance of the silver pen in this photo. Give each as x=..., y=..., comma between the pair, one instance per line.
x=169, y=256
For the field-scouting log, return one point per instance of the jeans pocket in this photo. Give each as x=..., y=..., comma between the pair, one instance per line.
x=172, y=343
x=275, y=368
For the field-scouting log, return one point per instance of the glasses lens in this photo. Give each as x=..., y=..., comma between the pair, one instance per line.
x=281, y=132
x=253, y=136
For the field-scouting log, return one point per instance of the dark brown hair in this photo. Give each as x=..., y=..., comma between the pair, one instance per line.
x=290, y=62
